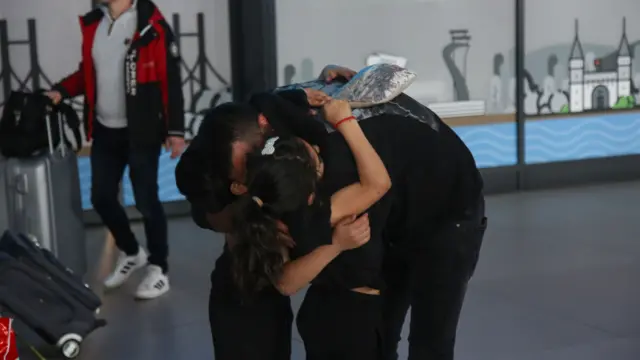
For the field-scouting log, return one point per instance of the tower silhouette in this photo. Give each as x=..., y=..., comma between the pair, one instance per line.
x=576, y=74
x=624, y=63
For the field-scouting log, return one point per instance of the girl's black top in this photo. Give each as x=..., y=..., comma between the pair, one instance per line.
x=434, y=178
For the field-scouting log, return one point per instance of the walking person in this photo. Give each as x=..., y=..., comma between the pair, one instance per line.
x=133, y=104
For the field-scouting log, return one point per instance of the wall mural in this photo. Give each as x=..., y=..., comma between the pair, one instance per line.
x=559, y=79
x=575, y=94
x=455, y=56
x=589, y=84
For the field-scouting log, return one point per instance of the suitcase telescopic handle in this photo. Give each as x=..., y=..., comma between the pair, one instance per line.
x=60, y=145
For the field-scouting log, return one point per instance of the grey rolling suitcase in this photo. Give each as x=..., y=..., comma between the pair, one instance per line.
x=43, y=201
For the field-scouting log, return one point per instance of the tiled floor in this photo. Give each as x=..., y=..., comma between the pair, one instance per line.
x=558, y=280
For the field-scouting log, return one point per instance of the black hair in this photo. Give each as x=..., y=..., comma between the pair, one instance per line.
x=228, y=123
x=278, y=184
x=288, y=114
x=205, y=167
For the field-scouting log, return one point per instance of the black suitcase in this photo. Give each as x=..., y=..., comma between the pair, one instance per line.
x=24, y=249
x=39, y=302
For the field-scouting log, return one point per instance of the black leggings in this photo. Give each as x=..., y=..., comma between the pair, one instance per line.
x=433, y=282
x=340, y=325
x=255, y=328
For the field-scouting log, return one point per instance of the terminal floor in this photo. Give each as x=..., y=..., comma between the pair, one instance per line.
x=557, y=280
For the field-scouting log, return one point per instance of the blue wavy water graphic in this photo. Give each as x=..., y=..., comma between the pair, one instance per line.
x=491, y=144
x=582, y=138
x=548, y=140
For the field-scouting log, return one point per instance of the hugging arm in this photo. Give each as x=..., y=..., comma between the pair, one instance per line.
x=299, y=273
x=260, y=247
x=349, y=201
x=374, y=177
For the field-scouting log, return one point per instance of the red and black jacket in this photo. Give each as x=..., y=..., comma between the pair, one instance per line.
x=155, y=104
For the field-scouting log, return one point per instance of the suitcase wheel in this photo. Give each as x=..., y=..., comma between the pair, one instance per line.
x=69, y=345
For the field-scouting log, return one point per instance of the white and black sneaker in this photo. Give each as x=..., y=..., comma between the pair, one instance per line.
x=125, y=266
x=153, y=285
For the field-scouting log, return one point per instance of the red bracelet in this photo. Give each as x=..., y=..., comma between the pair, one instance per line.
x=348, y=118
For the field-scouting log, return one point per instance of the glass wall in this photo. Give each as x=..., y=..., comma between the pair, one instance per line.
x=463, y=56
x=582, y=79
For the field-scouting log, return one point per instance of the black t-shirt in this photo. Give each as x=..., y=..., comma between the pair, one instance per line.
x=358, y=267
x=434, y=179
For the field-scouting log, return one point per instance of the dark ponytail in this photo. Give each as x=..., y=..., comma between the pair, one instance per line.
x=278, y=184
x=257, y=246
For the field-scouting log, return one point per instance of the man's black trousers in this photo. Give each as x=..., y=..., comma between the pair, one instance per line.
x=111, y=152
x=431, y=279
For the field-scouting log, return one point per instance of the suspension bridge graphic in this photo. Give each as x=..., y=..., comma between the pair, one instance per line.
x=199, y=93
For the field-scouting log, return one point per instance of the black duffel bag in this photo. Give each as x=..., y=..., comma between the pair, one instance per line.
x=23, y=127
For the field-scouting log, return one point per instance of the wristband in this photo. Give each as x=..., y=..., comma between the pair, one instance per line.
x=348, y=118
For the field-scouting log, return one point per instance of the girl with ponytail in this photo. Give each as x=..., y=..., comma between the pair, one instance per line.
x=286, y=196
x=276, y=187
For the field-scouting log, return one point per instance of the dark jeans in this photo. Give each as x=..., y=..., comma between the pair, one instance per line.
x=432, y=280
x=247, y=328
x=111, y=152
x=340, y=324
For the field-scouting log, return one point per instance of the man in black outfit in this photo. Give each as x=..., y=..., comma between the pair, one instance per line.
x=435, y=227
x=434, y=236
